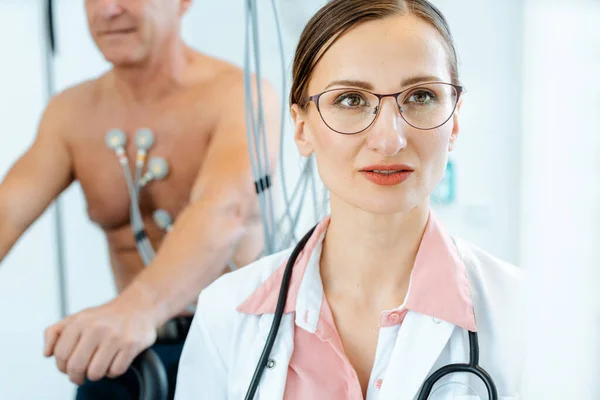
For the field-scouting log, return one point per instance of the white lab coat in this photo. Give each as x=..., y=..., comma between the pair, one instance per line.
x=224, y=345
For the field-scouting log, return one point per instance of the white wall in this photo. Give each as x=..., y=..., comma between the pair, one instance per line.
x=561, y=197
x=488, y=38
x=28, y=280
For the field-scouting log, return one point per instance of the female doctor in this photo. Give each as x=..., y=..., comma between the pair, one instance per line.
x=380, y=296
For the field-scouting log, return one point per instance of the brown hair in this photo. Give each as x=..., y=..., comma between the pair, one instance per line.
x=339, y=16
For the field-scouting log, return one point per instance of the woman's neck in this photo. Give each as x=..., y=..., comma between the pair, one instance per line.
x=370, y=257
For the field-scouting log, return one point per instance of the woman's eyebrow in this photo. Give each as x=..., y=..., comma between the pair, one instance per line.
x=420, y=79
x=369, y=86
x=350, y=82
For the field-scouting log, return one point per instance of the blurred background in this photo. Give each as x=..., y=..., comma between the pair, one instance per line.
x=523, y=182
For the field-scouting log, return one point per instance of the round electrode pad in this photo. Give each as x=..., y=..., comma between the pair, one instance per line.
x=115, y=138
x=144, y=139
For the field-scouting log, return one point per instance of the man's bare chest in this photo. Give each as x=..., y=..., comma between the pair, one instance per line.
x=180, y=136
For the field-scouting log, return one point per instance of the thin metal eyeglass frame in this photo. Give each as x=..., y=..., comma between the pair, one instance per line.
x=460, y=90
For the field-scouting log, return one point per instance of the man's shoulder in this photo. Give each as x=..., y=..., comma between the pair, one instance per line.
x=223, y=77
x=214, y=71
x=76, y=95
x=67, y=104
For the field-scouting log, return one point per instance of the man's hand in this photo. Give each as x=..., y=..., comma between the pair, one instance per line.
x=102, y=341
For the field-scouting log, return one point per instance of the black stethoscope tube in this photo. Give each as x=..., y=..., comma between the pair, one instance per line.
x=285, y=283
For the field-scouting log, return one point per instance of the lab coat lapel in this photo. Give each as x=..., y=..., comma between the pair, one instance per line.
x=272, y=384
x=420, y=342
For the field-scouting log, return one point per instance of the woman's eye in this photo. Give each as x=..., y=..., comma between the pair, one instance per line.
x=350, y=100
x=421, y=97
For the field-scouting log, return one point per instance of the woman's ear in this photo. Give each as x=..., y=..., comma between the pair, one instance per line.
x=301, y=134
x=456, y=127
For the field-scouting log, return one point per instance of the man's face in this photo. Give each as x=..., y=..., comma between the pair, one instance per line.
x=127, y=32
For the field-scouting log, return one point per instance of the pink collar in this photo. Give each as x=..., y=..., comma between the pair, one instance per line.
x=439, y=286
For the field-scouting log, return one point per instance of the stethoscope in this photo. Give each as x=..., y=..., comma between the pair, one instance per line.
x=472, y=367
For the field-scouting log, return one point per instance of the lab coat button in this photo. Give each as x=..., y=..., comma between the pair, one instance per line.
x=436, y=320
x=394, y=317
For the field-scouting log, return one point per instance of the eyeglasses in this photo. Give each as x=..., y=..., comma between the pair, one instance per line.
x=350, y=111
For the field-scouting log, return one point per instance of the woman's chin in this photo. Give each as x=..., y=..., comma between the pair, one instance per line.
x=383, y=206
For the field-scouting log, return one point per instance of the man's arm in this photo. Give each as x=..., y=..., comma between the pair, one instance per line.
x=103, y=341
x=36, y=179
x=222, y=199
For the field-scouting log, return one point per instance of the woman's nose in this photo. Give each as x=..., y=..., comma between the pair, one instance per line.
x=388, y=133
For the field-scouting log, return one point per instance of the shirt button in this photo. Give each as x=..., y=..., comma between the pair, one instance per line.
x=394, y=317
x=378, y=383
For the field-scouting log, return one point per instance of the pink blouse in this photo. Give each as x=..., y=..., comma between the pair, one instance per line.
x=319, y=368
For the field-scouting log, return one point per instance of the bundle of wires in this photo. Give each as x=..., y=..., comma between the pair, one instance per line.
x=278, y=233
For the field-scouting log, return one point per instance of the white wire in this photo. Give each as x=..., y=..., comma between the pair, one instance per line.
x=286, y=200
x=287, y=237
x=262, y=137
x=299, y=183
x=314, y=189
x=232, y=265
x=257, y=139
x=251, y=125
x=137, y=224
x=325, y=200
